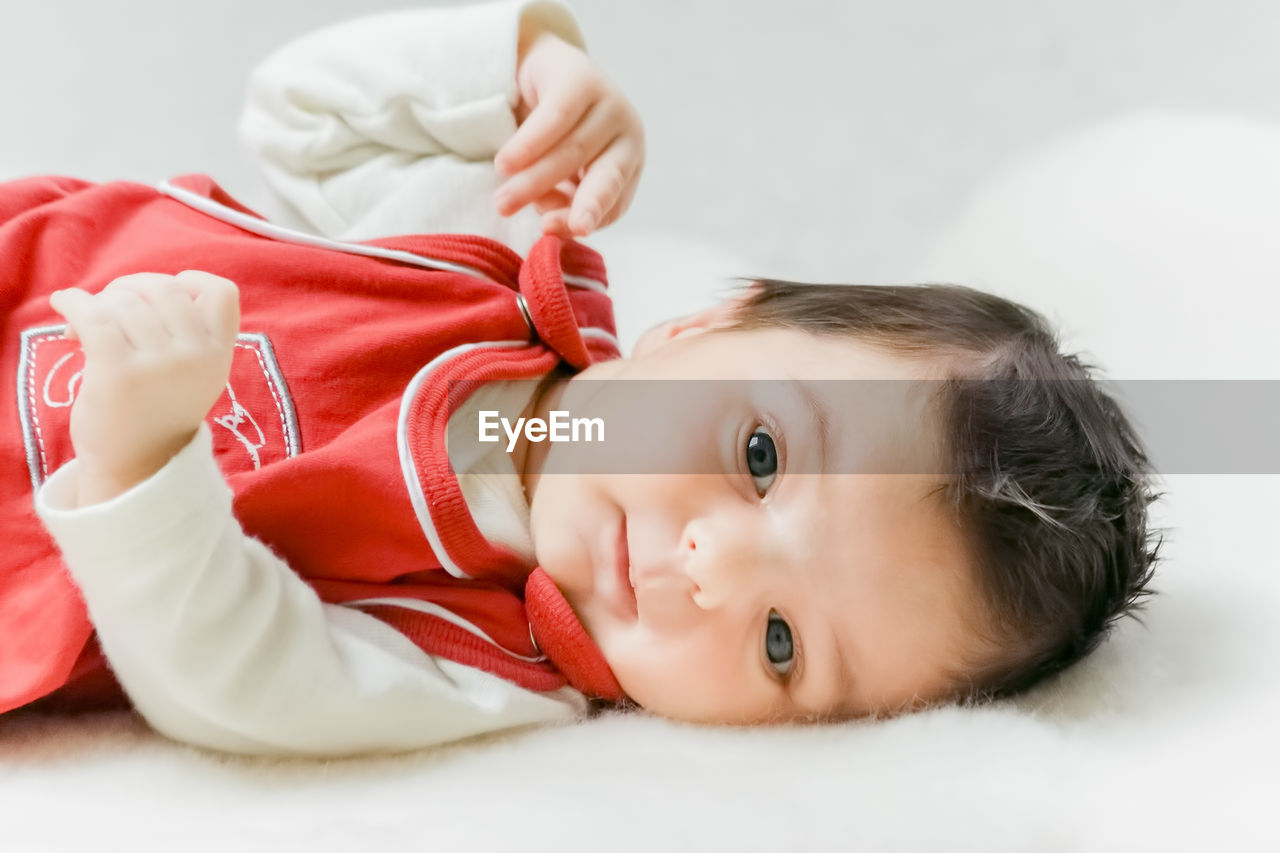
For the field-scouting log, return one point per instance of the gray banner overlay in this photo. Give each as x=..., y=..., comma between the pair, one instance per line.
x=1208, y=426
x=851, y=426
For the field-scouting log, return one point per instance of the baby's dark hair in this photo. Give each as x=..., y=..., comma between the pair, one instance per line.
x=1047, y=479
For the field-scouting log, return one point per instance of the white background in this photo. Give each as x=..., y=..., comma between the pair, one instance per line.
x=821, y=139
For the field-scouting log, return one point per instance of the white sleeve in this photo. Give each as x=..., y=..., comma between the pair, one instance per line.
x=388, y=124
x=218, y=643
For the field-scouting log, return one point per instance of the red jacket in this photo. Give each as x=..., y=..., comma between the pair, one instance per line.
x=331, y=429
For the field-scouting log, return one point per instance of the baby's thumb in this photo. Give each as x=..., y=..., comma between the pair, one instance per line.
x=70, y=304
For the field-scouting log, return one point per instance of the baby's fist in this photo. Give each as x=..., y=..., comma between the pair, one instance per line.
x=157, y=352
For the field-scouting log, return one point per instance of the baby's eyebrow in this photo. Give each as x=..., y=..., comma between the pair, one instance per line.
x=820, y=418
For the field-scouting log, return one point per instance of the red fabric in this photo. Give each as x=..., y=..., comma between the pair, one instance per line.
x=562, y=638
x=432, y=632
x=341, y=336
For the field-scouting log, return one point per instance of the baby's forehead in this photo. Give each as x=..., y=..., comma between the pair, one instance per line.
x=896, y=588
x=837, y=355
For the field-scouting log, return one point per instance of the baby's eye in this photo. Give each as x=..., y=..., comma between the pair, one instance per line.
x=778, y=647
x=762, y=460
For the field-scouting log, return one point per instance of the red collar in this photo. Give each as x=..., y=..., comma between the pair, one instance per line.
x=565, y=642
x=562, y=287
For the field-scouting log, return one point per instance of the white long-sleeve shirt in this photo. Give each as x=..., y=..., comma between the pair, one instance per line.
x=380, y=126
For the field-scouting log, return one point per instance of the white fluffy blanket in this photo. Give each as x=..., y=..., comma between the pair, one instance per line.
x=1164, y=740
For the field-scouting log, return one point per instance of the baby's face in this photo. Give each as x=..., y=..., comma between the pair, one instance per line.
x=736, y=583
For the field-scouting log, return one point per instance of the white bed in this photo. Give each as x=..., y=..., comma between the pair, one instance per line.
x=1152, y=242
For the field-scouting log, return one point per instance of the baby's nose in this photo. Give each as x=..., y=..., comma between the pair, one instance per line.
x=720, y=564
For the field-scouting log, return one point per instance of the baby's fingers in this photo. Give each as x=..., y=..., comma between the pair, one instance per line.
x=606, y=188
x=216, y=300
x=561, y=196
x=63, y=302
x=564, y=162
x=557, y=222
x=548, y=123
x=88, y=322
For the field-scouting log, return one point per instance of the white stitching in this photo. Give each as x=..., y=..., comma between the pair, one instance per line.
x=31, y=398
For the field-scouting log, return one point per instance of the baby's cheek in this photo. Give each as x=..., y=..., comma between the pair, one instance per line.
x=669, y=676
x=561, y=525
x=542, y=524
x=551, y=545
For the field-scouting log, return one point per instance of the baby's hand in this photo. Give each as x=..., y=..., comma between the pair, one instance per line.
x=580, y=148
x=157, y=352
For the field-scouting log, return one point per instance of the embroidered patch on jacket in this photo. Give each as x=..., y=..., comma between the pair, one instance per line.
x=253, y=423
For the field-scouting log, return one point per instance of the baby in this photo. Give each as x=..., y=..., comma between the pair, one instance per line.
x=290, y=525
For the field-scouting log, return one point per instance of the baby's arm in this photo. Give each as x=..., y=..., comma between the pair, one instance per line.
x=217, y=642
x=390, y=124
